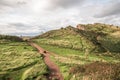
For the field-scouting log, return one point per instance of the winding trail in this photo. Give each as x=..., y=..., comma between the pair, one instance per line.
x=53, y=68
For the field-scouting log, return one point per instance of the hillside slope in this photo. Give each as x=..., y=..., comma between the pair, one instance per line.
x=103, y=35
x=89, y=37
x=68, y=37
x=73, y=45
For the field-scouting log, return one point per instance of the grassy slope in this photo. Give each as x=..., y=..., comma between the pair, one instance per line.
x=69, y=58
x=73, y=47
x=66, y=37
x=106, y=36
x=95, y=37
x=19, y=61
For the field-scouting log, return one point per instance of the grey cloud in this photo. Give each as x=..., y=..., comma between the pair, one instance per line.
x=11, y=3
x=32, y=18
x=110, y=20
x=21, y=29
x=4, y=3
x=113, y=9
x=26, y=34
x=21, y=2
x=66, y=3
x=17, y=24
x=20, y=26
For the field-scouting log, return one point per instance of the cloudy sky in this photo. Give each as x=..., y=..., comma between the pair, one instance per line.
x=31, y=17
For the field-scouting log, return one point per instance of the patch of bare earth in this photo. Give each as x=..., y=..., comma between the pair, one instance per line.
x=52, y=67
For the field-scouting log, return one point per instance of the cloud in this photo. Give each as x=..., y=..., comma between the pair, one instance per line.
x=11, y=3
x=66, y=3
x=30, y=17
x=111, y=9
x=19, y=28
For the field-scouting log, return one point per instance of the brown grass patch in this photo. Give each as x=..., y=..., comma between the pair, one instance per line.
x=97, y=71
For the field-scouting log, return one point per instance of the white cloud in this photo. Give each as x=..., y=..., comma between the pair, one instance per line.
x=35, y=16
x=110, y=9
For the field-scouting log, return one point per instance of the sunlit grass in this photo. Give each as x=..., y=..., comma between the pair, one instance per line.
x=68, y=58
x=18, y=57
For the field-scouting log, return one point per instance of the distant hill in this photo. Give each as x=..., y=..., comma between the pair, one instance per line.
x=4, y=38
x=92, y=37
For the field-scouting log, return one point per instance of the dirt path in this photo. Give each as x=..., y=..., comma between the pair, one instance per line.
x=53, y=68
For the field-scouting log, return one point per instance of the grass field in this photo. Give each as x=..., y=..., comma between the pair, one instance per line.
x=70, y=58
x=19, y=61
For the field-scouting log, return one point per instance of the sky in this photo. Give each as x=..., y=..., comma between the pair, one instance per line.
x=32, y=17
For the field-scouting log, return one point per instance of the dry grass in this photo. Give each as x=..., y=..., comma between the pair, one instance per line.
x=116, y=34
x=97, y=71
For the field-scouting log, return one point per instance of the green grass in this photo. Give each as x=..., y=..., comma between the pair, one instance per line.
x=96, y=38
x=71, y=41
x=76, y=47
x=77, y=53
x=18, y=60
x=68, y=37
x=69, y=58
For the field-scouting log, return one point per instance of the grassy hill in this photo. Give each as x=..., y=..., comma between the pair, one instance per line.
x=68, y=37
x=95, y=37
x=76, y=48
